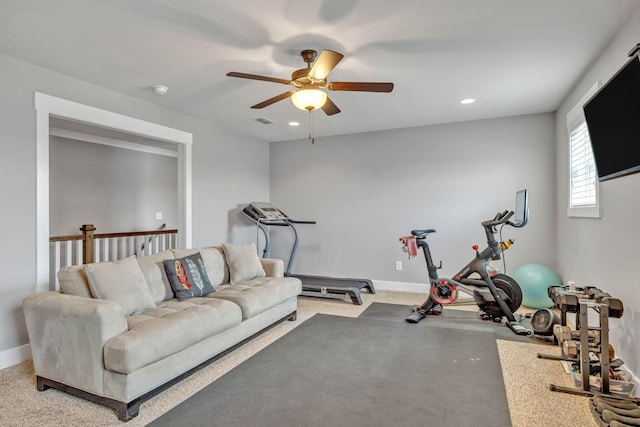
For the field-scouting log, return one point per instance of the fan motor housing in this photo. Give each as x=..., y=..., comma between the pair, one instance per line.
x=300, y=77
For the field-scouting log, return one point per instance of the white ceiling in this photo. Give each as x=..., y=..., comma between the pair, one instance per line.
x=514, y=56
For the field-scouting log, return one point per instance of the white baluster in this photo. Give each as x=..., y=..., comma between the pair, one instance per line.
x=68, y=252
x=54, y=264
x=78, y=253
x=97, y=243
x=114, y=249
x=105, y=253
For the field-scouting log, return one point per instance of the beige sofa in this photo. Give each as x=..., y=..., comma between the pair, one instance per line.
x=122, y=349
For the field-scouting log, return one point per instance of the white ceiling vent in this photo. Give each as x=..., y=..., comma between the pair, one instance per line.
x=265, y=121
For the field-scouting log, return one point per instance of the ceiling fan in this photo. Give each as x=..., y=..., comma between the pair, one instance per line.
x=309, y=81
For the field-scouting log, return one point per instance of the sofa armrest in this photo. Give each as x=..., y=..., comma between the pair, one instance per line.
x=273, y=267
x=67, y=335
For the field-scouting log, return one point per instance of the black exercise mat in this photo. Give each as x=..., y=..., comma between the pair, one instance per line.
x=450, y=318
x=338, y=371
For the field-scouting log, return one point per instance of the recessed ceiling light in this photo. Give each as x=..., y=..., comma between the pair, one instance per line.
x=160, y=89
x=294, y=124
x=467, y=101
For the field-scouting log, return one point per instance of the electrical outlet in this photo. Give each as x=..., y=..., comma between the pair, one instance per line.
x=158, y=215
x=398, y=265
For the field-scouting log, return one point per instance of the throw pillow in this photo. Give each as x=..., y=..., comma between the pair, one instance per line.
x=188, y=277
x=121, y=282
x=243, y=261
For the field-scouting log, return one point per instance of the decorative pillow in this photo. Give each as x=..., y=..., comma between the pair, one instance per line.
x=121, y=282
x=188, y=277
x=243, y=261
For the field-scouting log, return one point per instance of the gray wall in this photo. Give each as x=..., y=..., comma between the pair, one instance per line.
x=227, y=170
x=604, y=252
x=366, y=190
x=115, y=189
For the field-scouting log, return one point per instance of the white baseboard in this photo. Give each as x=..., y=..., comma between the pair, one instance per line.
x=419, y=288
x=15, y=355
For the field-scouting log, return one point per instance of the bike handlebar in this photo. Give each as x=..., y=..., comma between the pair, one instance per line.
x=500, y=218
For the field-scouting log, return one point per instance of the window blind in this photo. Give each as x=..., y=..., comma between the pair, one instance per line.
x=582, y=168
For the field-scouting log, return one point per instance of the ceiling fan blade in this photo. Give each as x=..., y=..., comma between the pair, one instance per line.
x=327, y=60
x=273, y=100
x=330, y=108
x=257, y=77
x=361, y=86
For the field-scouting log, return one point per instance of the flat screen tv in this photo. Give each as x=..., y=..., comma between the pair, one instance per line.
x=613, y=120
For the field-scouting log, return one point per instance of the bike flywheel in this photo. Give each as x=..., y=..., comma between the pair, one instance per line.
x=444, y=291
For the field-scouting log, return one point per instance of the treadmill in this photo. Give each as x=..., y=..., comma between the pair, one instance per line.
x=266, y=215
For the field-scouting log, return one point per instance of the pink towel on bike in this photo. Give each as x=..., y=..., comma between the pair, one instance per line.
x=409, y=242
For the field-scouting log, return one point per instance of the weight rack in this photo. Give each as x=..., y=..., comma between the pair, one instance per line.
x=579, y=301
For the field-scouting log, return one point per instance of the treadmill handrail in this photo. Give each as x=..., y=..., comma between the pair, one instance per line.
x=283, y=222
x=278, y=222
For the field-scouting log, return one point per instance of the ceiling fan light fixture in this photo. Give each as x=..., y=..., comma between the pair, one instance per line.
x=309, y=99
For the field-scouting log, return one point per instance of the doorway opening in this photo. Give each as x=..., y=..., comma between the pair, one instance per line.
x=48, y=107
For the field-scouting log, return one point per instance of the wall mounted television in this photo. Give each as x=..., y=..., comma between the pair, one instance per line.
x=613, y=119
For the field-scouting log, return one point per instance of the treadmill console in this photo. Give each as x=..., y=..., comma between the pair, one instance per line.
x=263, y=211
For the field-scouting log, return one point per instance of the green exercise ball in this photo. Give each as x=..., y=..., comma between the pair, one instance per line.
x=534, y=279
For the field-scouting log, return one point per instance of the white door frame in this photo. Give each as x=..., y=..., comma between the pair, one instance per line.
x=47, y=106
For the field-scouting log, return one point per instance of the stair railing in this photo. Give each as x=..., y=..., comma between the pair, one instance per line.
x=90, y=247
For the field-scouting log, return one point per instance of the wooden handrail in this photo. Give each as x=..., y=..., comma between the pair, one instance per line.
x=110, y=235
x=134, y=233
x=66, y=238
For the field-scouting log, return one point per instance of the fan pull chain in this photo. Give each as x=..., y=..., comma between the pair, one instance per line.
x=311, y=137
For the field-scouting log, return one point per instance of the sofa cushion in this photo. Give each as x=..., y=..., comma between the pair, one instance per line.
x=243, y=261
x=214, y=262
x=168, y=329
x=188, y=277
x=259, y=294
x=73, y=281
x=122, y=282
x=152, y=267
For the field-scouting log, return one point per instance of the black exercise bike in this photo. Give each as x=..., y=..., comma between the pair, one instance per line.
x=497, y=295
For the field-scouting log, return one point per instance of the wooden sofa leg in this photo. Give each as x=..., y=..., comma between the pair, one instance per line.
x=293, y=317
x=40, y=384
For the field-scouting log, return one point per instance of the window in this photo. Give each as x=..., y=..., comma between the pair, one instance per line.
x=584, y=197
x=583, y=168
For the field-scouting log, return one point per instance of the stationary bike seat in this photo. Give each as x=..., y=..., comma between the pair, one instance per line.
x=421, y=234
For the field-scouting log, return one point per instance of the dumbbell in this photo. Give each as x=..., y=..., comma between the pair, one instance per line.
x=570, y=348
x=565, y=333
